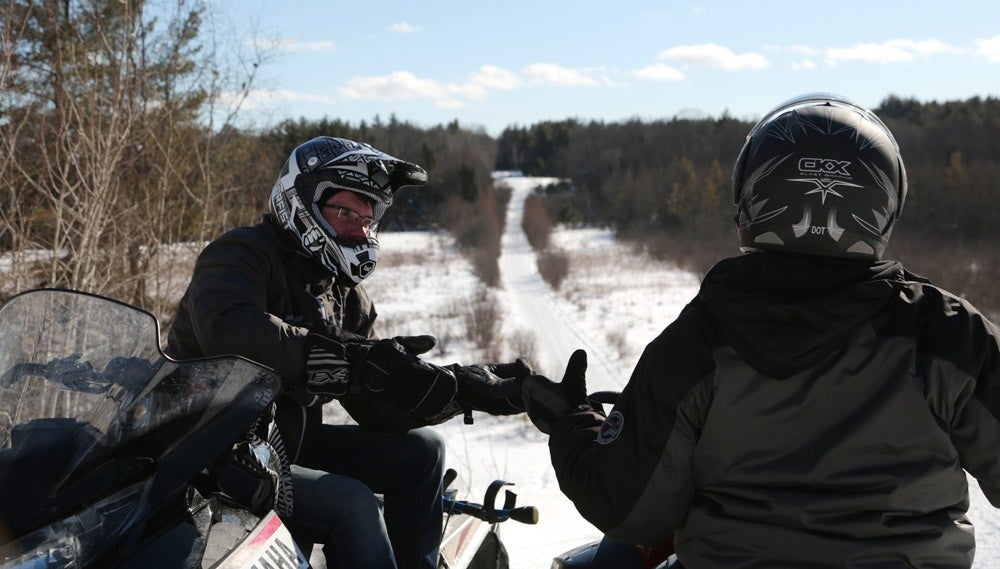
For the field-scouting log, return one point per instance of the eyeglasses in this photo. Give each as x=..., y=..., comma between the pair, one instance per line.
x=352, y=216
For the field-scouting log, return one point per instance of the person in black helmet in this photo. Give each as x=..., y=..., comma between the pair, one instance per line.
x=814, y=405
x=287, y=293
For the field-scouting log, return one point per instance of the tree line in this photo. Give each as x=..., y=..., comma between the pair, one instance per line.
x=666, y=185
x=115, y=146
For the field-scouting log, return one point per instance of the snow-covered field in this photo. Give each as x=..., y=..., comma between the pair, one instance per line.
x=612, y=303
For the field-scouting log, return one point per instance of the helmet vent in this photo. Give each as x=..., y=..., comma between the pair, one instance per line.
x=769, y=238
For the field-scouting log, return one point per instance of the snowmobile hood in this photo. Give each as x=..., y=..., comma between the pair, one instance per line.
x=783, y=313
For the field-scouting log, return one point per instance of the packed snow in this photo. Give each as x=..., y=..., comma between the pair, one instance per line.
x=612, y=303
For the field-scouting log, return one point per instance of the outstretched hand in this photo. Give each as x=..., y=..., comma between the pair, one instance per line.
x=417, y=345
x=517, y=369
x=492, y=388
x=546, y=401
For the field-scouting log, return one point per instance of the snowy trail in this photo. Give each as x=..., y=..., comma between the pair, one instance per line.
x=530, y=300
x=557, y=333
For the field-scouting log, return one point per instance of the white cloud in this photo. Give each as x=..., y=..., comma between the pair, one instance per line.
x=715, y=55
x=659, y=72
x=403, y=28
x=292, y=45
x=928, y=47
x=493, y=77
x=393, y=87
x=488, y=78
x=263, y=97
x=803, y=64
x=551, y=73
x=989, y=48
x=404, y=85
x=892, y=51
x=469, y=91
x=606, y=78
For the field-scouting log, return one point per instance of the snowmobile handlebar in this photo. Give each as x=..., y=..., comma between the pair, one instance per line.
x=487, y=511
x=523, y=514
x=604, y=397
x=66, y=373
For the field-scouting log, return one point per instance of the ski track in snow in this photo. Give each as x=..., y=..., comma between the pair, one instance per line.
x=419, y=291
x=532, y=300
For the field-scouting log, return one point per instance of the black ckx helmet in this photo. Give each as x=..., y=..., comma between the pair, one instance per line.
x=321, y=167
x=819, y=175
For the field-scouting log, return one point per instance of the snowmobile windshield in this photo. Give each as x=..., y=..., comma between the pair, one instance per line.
x=89, y=404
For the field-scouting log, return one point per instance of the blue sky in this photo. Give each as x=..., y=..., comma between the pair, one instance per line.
x=498, y=64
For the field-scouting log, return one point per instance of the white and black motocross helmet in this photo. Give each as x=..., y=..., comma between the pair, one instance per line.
x=325, y=165
x=819, y=175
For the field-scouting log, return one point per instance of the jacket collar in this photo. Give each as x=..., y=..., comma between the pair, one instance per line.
x=783, y=313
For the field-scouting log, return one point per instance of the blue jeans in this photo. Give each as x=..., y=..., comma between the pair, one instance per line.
x=339, y=470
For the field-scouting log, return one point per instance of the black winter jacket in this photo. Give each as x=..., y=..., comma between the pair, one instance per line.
x=800, y=412
x=253, y=295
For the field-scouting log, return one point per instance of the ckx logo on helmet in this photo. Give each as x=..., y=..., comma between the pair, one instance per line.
x=825, y=166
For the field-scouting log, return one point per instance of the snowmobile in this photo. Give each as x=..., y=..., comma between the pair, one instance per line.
x=104, y=441
x=106, y=445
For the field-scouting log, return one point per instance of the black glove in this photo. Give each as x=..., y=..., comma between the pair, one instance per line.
x=326, y=371
x=546, y=401
x=492, y=388
x=327, y=367
x=518, y=369
x=417, y=345
x=389, y=369
x=245, y=479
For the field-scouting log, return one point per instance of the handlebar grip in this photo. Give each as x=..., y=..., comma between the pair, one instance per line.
x=449, y=476
x=604, y=397
x=525, y=515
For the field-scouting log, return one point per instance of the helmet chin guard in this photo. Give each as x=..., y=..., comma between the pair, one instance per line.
x=819, y=175
x=324, y=165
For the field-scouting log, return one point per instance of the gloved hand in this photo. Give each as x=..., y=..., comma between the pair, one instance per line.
x=246, y=479
x=326, y=370
x=387, y=368
x=327, y=366
x=492, y=388
x=546, y=401
x=417, y=345
x=518, y=369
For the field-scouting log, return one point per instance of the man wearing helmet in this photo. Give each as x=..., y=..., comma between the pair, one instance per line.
x=814, y=405
x=286, y=293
